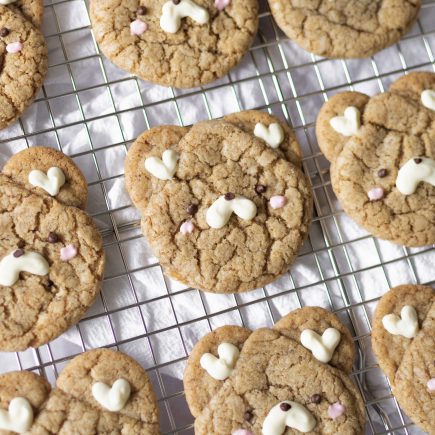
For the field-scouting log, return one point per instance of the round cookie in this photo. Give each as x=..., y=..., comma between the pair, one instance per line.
x=384, y=175
x=220, y=251
x=190, y=52
x=51, y=255
x=199, y=386
x=23, y=62
x=32, y=10
x=249, y=119
x=272, y=375
x=75, y=190
x=345, y=29
x=403, y=341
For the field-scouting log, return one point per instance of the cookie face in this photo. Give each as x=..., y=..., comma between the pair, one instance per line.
x=351, y=29
x=23, y=56
x=182, y=44
x=234, y=213
x=51, y=254
x=107, y=389
x=383, y=167
x=275, y=383
x=403, y=341
x=32, y=10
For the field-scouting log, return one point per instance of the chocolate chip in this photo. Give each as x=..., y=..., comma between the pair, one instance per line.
x=176, y=2
x=316, y=398
x=52, y=237
x=4, y=32
x=229, y=196
x=285, y=407
x=18, y=253
x=141, y=10
x=382, y=173
x=260, y=188
x=418, y=160
x=248, y=415
x=21, y=244
x=192, y=209
x=50, y=283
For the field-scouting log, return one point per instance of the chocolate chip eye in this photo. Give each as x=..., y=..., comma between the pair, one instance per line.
x=229, y=196
x=248, y=416
x=260, y=188
x=382, y=173
x=52, y=238
x=192, y=209
x=418, y=160
x=141, y=10
x=285, y=407
x=4, y=32
x=18, y=253
x=176, y=2
x=316, y=398
x=21, y=244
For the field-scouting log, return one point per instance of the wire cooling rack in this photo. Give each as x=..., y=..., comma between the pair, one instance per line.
x=92, y=111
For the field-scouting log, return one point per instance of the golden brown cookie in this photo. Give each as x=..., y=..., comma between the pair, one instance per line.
x=222, y=210
x=382, y=151
x=345, y=29
x=183, y=43
x=276, y=380
x=32, y=10
x=403, y=341
x=100, y=391
x=51, y=253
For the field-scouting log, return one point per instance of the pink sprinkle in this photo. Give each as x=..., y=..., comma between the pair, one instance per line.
x=376, y=193
x=336, y=410
x=137, y=27
x=187, y=227
x=221, y=4
x=14, y=47
x=68, y=253
x=431, y=384
x=278, y=201
x=242, y=432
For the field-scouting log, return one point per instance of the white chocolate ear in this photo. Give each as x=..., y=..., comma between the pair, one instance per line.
x=172, y=14
x=322, y=347
x=288, y=414
x=349, y=123
x=272, y=135
x=413, y=172
x=112, y=398
x=18, y=418
x=20, y=261
x=406, y=325
x=428, y=99
x=219, y=213
x=222, y=367
x=165, y=168
x=50, y=182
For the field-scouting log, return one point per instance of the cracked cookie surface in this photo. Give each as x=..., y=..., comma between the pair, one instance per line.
x=23, y=65
x=343, y=28
x=396, y=128
x=218, y=158
x=409, y=362
x=32, y=10
x=36, y=307
x=274, y=367
x=72, y=408
x=194, y=55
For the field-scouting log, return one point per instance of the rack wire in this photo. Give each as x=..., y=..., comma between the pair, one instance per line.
x=142, y=312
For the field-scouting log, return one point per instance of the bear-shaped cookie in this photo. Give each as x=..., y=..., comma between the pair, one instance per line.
x=100, y=391
x=51, y=253
x=382, y=153
x=293, y=377
x=403, y=338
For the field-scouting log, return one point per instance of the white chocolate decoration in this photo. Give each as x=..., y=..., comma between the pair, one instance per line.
x=322, y=347
x=164, y=168
x=18, y=418
x=349, y=123
x=428, y=99
x=219, y=213
x=12, y=265
x=172, y=14
x=112, y=398
x=50, y=182
x=288, y=414
x=222, y=367
x=413, y=172
x=405, y=325
x=272, y=135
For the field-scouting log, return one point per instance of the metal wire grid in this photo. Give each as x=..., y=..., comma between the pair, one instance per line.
x=135, y=291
